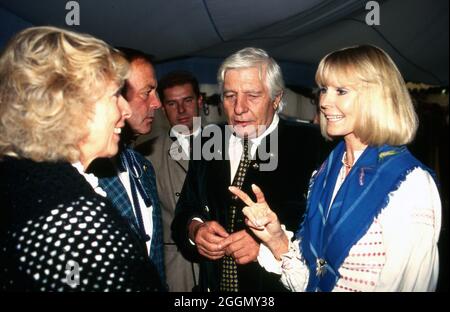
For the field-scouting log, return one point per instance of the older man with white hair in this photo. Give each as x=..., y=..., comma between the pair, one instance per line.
x=259, y=148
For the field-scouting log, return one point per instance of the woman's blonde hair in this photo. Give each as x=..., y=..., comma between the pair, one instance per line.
x=383, y=105
x=49, y=80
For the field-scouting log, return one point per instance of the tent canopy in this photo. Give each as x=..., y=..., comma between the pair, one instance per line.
x=413, y=32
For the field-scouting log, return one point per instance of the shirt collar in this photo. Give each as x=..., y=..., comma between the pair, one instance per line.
x=181, y=136
x=269, y=130
x=90, y=178
x=184, y=140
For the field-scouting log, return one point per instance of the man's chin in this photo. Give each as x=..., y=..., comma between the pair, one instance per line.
x=250, y=131
x=144, y=131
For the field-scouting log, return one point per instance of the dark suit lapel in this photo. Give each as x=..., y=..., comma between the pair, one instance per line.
x=216, y=186
x=218, y=181
x=269, y=147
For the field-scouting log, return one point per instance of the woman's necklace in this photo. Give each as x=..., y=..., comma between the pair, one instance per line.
x=345, y=161
x=347, y=166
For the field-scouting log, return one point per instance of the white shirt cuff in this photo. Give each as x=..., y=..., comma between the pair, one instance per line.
x=267, y=260
x=199, y=220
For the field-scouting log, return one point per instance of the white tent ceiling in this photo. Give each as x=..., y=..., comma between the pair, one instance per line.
x=413, y=32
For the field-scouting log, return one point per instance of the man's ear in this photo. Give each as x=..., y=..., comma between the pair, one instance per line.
x=200, y=102
x=277, y=101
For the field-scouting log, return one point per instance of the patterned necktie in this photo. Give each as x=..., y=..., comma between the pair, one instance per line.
x=229, y=278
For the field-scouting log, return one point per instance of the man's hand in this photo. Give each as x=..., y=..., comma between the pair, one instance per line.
x=263, y=221
x=208, y=237
x=242, y=247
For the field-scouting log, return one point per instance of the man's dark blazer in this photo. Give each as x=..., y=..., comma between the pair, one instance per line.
x=301, y=149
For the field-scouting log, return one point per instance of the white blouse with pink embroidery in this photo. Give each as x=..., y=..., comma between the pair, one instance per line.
x=398, y=253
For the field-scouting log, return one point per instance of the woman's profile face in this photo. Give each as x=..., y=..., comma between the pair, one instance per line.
x=337, y=106
x=105, y=126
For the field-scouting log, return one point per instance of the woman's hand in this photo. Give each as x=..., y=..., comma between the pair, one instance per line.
x=262, y=221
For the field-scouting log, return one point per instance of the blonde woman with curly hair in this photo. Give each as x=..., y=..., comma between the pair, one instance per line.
x=60, y=108
x=373, y=214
